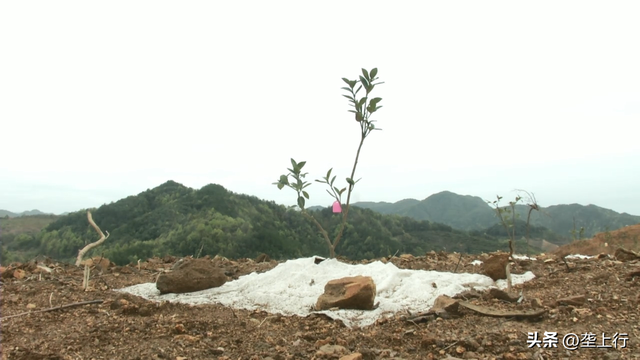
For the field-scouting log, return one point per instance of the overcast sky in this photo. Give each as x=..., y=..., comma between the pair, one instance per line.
x=102, y=100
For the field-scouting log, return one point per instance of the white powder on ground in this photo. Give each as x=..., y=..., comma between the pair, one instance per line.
x=293, y=287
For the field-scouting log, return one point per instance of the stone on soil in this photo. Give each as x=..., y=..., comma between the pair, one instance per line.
x=353, y=292
x=189, y=276
x=495, y=266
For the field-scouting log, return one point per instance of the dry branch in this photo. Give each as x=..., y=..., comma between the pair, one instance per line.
x=55, y=308
x=484, y=310
x=92, y=245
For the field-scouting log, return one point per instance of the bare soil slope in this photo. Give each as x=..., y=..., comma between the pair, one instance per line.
x=126, y=327
x=608, y=242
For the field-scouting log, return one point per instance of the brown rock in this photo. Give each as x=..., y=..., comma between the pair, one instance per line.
x=626, y=255
x=189, y=276
x=263, y=258
x=495, y=266
x=331, y=350
x=443, y=303
x=572, y=300
x=100, y=263
x=503, y=295
x=354, y=356
x=19, y=274
x=536, y=303
x=357, y=292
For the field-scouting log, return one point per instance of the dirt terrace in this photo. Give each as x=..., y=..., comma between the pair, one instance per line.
x=126, y=327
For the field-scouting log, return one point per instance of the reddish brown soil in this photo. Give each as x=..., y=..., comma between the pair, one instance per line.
x=127, y=327
x=605, y=242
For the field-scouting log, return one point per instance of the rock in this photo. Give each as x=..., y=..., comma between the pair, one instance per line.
x=536, y=303
x=626, y=255
x=357, y=292
x=331, y=350
x=468, y=294
x=100, y=263
x=503, y=295
x=19, y=274
x=354, y=356
x=443, y=303
x=572, y=300
x=263, y=258
x=189, y=276
x=495, y=266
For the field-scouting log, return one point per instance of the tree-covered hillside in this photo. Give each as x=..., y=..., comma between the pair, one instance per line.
x=177, y=220
x=470, y=213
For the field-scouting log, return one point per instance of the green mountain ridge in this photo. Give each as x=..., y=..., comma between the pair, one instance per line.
x=7, y=213
x=177, y=220
x=466, y=212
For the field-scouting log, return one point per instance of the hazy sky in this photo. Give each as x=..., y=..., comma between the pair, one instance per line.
x=102, y=100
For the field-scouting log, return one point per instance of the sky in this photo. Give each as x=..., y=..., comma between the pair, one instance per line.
x=103, y=100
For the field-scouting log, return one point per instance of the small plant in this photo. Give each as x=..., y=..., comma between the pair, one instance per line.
x=363, y=108
x=507, y=216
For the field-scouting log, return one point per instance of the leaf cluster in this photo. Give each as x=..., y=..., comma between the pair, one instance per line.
x=363, y=107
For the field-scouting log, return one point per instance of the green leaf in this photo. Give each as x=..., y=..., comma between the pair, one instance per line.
x=301, y=165
x=284, y=179
x=306, y=194
x=348, y=82
x=373, y=73
x=360, y=87
x=359, y=116
x=350, y=181
x=301, y=202
x=329, y=192
x=293, y=163
x=329, y=174
x=351, y=99
x=342, y=190
x=280, y=185
x=333, y=179
x=365, y=73
x=375, y=101
x=364, y=82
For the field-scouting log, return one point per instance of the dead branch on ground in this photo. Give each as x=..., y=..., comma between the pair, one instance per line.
x=55, y=308
x=84, y=250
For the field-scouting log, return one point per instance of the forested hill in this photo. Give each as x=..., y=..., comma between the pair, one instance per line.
x=177, y=220
x=466, y=212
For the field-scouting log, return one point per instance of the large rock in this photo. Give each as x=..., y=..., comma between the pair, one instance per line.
x=626, y=255
x=189, y=276
x=495, y=266
x=357, y=292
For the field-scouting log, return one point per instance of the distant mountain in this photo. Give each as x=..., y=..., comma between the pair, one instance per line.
x=465, y=212
x=4, y=213
x=177, y=220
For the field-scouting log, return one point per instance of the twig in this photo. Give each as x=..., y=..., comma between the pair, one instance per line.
x=445, y=349
x=92, y=245
x=459, y=260
x=50, y=296
x=565, y=263
x=55, y=308
x=265, y=319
